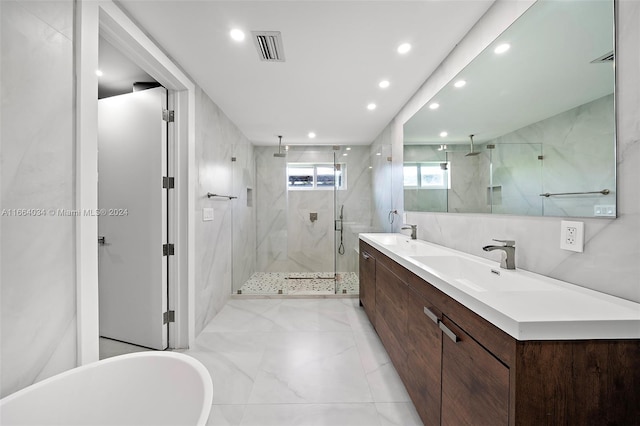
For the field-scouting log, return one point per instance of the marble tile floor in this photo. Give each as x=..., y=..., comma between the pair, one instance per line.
x=313, y=361
x=300, y=283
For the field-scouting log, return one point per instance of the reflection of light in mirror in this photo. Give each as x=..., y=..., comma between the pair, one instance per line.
x=444, y=134
x=434, y=105
x=459, y=83
x=502, y=48
x=384, y=84
x=311, y=135
x=348, y=148
x=404, y=48
x=378, y=153
x=99, y=73
x=371, y=107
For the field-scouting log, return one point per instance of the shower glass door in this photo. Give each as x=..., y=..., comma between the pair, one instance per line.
x=353, y=212
x=308, y=208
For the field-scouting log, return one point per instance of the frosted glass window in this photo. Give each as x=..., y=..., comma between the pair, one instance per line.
x=316, y=176
x=431, y=175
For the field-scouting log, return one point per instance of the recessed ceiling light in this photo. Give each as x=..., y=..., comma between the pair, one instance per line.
x=502, y=48
x=434, y=105
x=311, y=135
x=99, y=73
x=460, y=83
x=371, y=106
x=236, y=34
x=378, y=153
x=384, y=84
x=404, y=48
x=348, y=148
x=444, y=134
x=345, y=154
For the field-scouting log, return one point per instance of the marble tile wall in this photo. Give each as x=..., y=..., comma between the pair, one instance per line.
x=612, y=246
x=287, y=240
x=217, y=140
x=271, y=210
x=578, y=156
x=517, y=179
x=38, y=312
x=469, y=182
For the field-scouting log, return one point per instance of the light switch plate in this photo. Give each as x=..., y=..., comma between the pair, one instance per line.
x=207, y=214
x=572, y=236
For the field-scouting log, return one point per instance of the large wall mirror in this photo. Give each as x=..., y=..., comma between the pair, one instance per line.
x=539, y=103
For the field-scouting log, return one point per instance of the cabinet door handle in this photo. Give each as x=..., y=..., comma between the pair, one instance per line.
x=366, y=255
x=433, y=317
x=450, y=334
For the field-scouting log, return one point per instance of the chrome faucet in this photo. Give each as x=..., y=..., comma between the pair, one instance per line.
x=508, y=259
x=414, y=230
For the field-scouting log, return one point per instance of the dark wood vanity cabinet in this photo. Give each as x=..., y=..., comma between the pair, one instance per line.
x=475, y=384
x=367, y=270
x=460, y=369
x=424, y=356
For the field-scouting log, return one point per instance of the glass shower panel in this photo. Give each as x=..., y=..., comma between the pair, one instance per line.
x=243, y=218
x=354, y=212
x=308, y=210
x=516, y=179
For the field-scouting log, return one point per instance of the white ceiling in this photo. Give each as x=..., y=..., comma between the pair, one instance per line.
x=336, y=53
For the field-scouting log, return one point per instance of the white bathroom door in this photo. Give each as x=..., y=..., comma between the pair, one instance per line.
x=132, y=271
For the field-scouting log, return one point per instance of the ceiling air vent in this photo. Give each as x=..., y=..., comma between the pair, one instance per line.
x=604, y=59
x=269, y=45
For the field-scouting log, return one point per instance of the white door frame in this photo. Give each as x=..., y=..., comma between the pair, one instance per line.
x=106, y=18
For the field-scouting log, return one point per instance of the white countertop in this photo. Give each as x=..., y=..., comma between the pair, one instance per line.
x=525, y=305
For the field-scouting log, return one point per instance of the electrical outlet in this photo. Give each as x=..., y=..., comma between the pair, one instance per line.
x=572, y=236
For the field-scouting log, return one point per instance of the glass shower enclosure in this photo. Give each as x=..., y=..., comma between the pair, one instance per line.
x=308, y=208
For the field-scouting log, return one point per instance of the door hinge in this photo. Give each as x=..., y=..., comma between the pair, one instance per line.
x=167, y=249
x=168, y=182
x=168, y=115
x=169, y=316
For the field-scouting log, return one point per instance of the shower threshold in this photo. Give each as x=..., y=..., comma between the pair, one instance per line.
x=300, y=283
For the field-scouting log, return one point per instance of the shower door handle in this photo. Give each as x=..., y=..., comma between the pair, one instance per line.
x=102, y=240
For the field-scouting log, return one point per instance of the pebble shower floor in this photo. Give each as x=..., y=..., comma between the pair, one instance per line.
x=300, y=283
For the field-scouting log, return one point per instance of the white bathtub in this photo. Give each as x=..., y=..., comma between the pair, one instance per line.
x=146, y=388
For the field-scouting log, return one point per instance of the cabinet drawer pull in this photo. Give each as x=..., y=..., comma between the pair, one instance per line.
x=448, y=332
x=433, y=317
x=366, y=255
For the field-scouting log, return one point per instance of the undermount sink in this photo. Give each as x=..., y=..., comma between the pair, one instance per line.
x=481, y=277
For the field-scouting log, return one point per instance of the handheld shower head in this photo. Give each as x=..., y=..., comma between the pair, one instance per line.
x=280, y=154
x=472, y=152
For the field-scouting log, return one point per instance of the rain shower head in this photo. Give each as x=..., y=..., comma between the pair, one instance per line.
x=280, y=154
x=472, y=152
